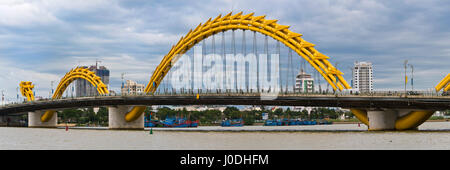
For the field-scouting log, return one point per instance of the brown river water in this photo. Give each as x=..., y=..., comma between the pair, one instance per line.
x=430, y=135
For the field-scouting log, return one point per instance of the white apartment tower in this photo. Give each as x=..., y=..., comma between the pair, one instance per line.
x=362, y=77
x=304, y=83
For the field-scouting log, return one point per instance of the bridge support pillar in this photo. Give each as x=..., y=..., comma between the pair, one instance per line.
x=382, y=120
x=117, y=119
x=34, y=120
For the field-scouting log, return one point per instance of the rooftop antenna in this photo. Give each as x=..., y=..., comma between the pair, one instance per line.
x=96, y=63
x=302, y=66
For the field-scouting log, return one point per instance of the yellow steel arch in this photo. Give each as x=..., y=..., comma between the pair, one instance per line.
x=444, y=83
x=72, y=75
x=409, y=121
x=413, y=119
x=361, y=115
x=244, y=22
x=254, y=23
x=26, y=88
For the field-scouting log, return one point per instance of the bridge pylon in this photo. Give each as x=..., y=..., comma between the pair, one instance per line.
x=392, y=119
x=34, y=120
x=116, y=118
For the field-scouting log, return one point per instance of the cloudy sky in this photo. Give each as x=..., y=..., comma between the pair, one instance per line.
x=41, y=40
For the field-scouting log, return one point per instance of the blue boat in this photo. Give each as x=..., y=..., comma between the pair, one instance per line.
x=270, y=123
x=175, y=122
x=309, y=122
x=148, y=122
x=285, y=122
x=232, y=122
x=325, y=122
x=170, y=122
x=293, y=122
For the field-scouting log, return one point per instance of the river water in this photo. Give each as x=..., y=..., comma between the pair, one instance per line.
x=431, y=135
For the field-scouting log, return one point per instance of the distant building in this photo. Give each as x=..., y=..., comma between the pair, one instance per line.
x=362, y=78
x=439, y=113
x=200, y=108
x=251, y=108
x=304, y=83
x=112, y=92
x=84, y=88
x=132, y=88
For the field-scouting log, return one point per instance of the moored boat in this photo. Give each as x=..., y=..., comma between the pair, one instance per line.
x=232, y=122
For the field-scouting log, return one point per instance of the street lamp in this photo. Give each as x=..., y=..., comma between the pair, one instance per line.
x=51, y=93
x=412, y=77
x=3, y=97
x=406, y=78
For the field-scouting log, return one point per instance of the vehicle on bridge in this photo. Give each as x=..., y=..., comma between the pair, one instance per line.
x=413, y=93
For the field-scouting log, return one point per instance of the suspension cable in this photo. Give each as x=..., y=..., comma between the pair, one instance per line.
x=257, y=60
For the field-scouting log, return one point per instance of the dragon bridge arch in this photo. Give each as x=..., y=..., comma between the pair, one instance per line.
x=72, y=75
x=259, y=24
x=444, y=84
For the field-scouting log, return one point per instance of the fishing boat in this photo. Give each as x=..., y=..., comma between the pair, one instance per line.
x=232, y=122
x=179, y=122
x=270, y=123
x=325, y=122
x=148, y=122
x=170, y=122
x=309, y=122
x=293, y=122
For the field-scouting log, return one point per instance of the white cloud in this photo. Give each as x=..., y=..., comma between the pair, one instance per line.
x=17, y=13
x=12, y=75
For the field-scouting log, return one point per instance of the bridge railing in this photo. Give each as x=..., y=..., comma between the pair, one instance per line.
x=254, y=92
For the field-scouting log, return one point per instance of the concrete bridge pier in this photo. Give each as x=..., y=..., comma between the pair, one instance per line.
x=34, y=120
x=116, y=118
x=392, y=119
x=382, y=119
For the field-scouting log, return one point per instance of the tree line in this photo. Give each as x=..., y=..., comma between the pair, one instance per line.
x=87, y=116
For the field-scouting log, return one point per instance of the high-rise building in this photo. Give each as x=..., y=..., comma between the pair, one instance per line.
x=84, y=88
x=132, y=88
x=304, y=83
x=362, y=77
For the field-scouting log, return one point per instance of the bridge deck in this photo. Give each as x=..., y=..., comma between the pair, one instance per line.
x=353, y=101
